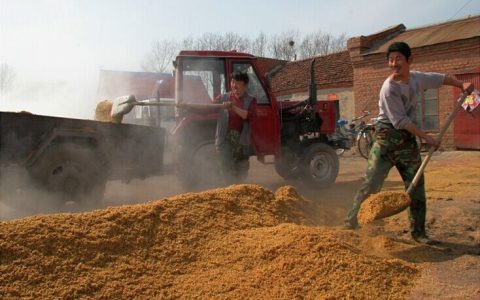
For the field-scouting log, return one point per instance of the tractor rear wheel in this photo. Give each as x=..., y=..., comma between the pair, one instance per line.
x=288, y=165
x=197, y=167
x=319, y=166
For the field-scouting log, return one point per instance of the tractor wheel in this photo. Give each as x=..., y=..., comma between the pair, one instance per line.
x=72, y=173
x=240, y=171
x=319, y=166
x=288, y=165
x=197, y=168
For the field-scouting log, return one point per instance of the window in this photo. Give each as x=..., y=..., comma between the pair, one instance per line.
x=255, y=87
x=203, y=79
x=427, y=111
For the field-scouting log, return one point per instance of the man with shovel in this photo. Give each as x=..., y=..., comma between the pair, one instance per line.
x=395, y=143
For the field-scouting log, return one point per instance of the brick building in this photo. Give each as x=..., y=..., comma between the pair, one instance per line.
x=451, y=47
x=333, y=76
x=356, y=75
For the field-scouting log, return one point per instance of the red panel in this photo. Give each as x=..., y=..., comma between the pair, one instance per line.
x=467, y=125
x=327, y=110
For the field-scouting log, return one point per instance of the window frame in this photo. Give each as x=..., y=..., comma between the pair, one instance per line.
x=422, y=116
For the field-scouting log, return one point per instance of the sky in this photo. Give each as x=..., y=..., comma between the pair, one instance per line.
x=57, y=47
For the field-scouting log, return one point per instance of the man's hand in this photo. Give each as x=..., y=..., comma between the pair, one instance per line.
x=431, y=142
x=227, y=104
x=468, y=87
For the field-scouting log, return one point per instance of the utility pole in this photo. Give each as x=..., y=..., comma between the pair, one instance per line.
x=292, y=44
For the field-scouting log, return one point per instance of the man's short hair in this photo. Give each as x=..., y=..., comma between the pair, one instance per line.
x=240, y=76
x=401, y=47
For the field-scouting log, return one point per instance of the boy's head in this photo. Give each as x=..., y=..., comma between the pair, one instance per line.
x=240, y=76
x=239, y=83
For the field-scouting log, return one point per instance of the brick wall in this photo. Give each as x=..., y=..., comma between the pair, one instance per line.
x=370, y=71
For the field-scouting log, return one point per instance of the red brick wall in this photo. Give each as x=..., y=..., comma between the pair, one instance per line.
x=370, y=71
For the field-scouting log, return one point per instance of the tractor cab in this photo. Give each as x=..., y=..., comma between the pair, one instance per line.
x=201, y=76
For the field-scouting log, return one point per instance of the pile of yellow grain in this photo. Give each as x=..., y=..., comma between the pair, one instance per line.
x=238, y=242
x=382, y=205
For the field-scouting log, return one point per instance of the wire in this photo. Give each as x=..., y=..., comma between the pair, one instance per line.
x=460, y=10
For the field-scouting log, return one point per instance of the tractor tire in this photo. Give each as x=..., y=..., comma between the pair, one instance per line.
x=197, y=167
x=241, y=168
x=320, y=166
x=288, y=166
x=72, y=173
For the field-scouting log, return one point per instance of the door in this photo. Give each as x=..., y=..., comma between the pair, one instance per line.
x=265, y=122
x=466, y=132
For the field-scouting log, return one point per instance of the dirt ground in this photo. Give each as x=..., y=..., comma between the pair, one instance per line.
x=448, y=270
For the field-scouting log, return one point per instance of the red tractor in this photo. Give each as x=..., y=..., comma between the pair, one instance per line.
x=293, y=133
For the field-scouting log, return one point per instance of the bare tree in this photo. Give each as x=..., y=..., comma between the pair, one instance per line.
x=161, y=57
x=233, y=41
x=7, y=76
x=209, y=41
x=287, y=46
x=259, y=45
x=188, y=43
x=320, y=43
x=282, y=46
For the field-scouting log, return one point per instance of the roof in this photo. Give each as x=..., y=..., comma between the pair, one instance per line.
x=433, y=34
x=213, y=53
x=113, y=84
x=331, y=71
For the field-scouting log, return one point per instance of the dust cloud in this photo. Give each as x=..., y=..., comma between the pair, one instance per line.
x=68, y=98
x=20, y=197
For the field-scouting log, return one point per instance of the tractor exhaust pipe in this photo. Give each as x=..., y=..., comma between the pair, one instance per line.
x=312, y=87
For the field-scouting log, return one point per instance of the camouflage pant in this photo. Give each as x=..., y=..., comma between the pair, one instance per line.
x=229, y=153
x=397, y=148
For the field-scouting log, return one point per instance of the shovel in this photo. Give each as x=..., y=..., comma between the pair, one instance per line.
x=386, y=204
x=126, y=105
x=449, y=120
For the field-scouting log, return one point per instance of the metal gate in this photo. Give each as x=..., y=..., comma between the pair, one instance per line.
x=466, y=133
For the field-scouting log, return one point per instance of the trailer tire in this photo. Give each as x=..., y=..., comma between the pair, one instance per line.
x=320, y=166
x=72, y=172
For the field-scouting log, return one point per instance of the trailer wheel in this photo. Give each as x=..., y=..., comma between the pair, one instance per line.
x=72, y=172
x=288, y=166
x=319, y=166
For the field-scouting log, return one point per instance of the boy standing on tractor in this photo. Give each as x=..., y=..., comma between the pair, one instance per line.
x=232, y=138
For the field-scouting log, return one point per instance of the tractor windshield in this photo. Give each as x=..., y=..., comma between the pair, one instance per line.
x=201, y=79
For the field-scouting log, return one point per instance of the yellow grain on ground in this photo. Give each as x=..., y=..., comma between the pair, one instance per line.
x=239, y=242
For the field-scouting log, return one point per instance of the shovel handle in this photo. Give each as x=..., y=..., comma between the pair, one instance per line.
x=186, y=104
x=449, y=120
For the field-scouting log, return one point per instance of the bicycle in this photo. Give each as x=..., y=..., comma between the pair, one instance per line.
x=365, y=138
x=347, y=135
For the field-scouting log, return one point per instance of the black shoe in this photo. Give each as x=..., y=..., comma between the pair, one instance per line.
x=422, y=238
x=350, y=225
